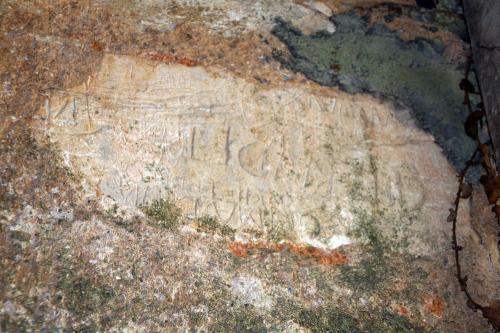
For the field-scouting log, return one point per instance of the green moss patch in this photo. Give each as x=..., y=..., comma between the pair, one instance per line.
x=82, y=295
x=211, y=224
x=164, y=213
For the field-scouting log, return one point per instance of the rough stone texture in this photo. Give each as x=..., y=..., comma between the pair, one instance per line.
x=484, y=26
x=77, y=255
x=255, y=15
x=286, y=162
x=478, y=234
x=416, y=72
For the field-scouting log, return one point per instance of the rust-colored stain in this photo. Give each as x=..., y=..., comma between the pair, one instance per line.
x=402, y=310
x=96, y=46
x=434, y=305
x=169, y=59
x=188, y=62
x=162, y=57
x=322, y=257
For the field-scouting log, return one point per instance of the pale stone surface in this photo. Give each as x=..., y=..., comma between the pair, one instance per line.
x=234, y=16
x=289, y=162
x=320, y=7
x=249, y=289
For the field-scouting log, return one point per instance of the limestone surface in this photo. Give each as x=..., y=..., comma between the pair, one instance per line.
x=291, y=163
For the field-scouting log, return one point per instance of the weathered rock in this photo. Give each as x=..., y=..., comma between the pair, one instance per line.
x=233, y=16
x=289, y=162
x=192, y=183
x=415, y=72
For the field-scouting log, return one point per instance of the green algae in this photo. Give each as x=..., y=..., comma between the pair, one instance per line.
x=328, y=320
x=164, y=213
x=20, y=235
x=373, y=271
x=366, y=276
x=386, y=321
x=331, y=318
x=82, y=295
x=85, y=296
x=239, y=320
x=212, y=225
x=82, y=292
x=380, y=264
x=362, y=59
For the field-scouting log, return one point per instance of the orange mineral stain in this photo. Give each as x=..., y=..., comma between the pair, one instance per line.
x=96, y=46
x=238, y=249
x=402, y=310
x=322, y=257
x=434, y=305
x=188, y=62
x=162, y=57
x=169, y=59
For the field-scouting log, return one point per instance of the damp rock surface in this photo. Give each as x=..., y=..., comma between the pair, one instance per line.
x=363, y=58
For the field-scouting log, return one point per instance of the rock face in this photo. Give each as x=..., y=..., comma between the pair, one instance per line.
x=235, y=166
x=228, y=17
x=416, y=73
x=290, y=162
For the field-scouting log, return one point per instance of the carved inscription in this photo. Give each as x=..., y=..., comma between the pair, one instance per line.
x=284, y=161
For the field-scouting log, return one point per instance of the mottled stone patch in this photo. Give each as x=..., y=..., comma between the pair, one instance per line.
x=362, y=58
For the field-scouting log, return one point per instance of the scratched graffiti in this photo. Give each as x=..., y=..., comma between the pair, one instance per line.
x=282, y=160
